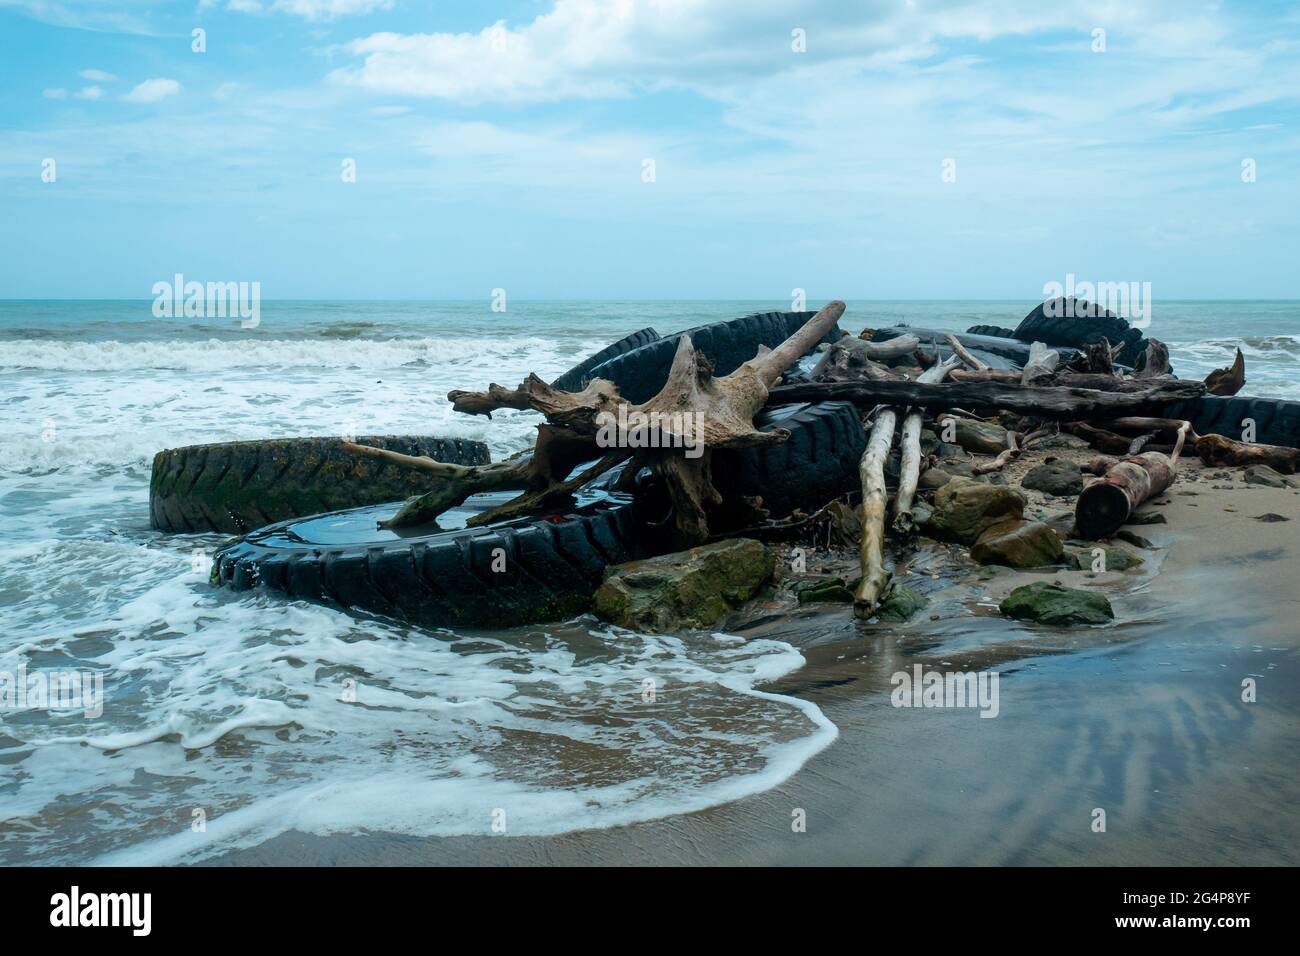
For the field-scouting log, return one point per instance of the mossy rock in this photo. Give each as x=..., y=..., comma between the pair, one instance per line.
x=1054, y=604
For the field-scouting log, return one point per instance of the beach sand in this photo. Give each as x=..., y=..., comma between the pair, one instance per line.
x=1143, y=719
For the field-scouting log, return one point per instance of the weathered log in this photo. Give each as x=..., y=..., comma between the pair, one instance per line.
x=910, y=452
x=1004, y=375
x=1228, y=381
x=871, y=470
x=960, y=351
x=1041, y=364
x=852, y=360
x=1107, y=502
x=888, y=350
x=1099, y=382
x=1039, y=401
x=1220, y=450
x=1138, y=423
x=1153, y=362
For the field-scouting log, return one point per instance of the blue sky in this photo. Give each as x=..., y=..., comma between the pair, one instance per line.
x=503, y=145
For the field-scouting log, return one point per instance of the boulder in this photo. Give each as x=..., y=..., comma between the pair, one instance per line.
x=1111, y=559
x=1053, y=604
x=1017, y=543
x=983, y=437
x=1146, y=517
x=687, y=589
x=964, y=509
x=1268, y=477
x=1054, y=477
x=901, y=604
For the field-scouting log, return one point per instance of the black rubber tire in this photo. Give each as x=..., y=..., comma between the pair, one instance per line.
x=640, y=373
x=1277, y=421
x=1088, y=324
x=552, y=566
x=818, y=462
x=576, y=378
x=996, y=331
x=239, y=486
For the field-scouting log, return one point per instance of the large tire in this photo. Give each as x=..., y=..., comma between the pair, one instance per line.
x=818, y=462
x=997, y=331
x=549, y=566
x=1277, y=422
x=576, y=378
x=235, y=487
x=1086, y=325
x=640, y=373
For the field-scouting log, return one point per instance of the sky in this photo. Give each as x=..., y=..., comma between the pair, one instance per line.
x=588, y=149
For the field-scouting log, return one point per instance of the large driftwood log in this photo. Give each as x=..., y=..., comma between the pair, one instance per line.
x=1106, y=503
x=1040, y=401
x=675, y=432
x=1219, y=450
x=871, y=470
x=1005, y=376
x=910, y=448
x=1228, y=381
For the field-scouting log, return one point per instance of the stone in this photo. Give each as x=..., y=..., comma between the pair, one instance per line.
x=1271, y=517
x=963, y=509
x=686, y=589
x=901, y=604
x=932, y=479
x=1017, y=543
x=984, y=437
x=1055, y=477
x=823, y=590
x=1112, y=559
x=1054, y=604
x=1268, y=477
x=1134, y=539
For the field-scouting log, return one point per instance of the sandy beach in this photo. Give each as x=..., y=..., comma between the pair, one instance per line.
x=1144, y=719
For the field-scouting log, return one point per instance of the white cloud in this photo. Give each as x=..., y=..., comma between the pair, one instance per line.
x=55, y=93
x=330, y=9
x=151, y=91
x=315, y=10
x=90, y=93
x=592, y=48
x=97, y=76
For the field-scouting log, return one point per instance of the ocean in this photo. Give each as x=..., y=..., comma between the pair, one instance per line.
x=223, y=722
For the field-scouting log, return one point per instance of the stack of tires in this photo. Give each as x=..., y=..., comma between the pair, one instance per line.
x=510, y=573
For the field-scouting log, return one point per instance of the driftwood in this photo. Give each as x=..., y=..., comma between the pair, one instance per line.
x=960, y=351
x=674, y=432
x=888, y=350
x=1228, y=381
x=1005, y=376
x=1106, y=503
x=1064, y=404
x=871, y=470
x=910, y=452
x=1100, y=382
x=1041, y=363
x=1218, y=450
x=852, y=360
x=1153, y=362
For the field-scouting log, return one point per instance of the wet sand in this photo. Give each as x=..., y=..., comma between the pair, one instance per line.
x=1144, y=719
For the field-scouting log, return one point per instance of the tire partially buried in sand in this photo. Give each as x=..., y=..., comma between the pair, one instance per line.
x=240, y=486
